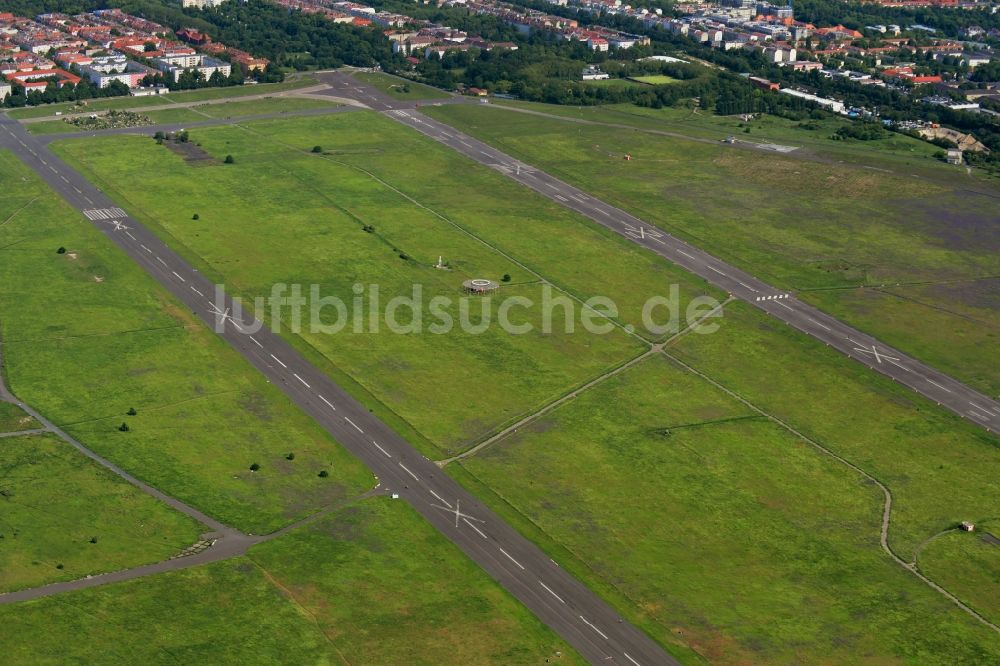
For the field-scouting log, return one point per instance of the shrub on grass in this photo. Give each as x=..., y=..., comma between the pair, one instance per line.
x=123, y=427
x=229, y=159
x=254, y=467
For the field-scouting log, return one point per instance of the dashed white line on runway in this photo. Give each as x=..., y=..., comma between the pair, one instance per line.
x=782, y=304
x=549, y=590
x=177, y=275
x=976, y=415
x=129, y=234
x=943, y=388
x=407, y=470
x=387, y=454
x=983, y=409
x=328, y=403
x=353, y=424
x=511, y=558
x=594, y=627
x=279, y=361
x=304, y=383
x=145, y=248
x=821, y=325
x=440, y=499
x=561, y=198
x=161, y=261
x=689, y=256
x=479, y=531
x=195, y=290
x=631, y=659
x=713, y=268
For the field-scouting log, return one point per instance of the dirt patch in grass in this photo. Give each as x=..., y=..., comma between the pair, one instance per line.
x=192, y=153
x=970, y=227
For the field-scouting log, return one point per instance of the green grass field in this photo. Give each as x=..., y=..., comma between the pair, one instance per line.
x=279, y=190
x=65, y=517
x=399, y=88
x=88, y=336
x=14, y=419
x=720, y=528
x=181, y=97
x=803, y=225
x=612, y=83
x=370, y=584
x=654, y=80
x=969, y=565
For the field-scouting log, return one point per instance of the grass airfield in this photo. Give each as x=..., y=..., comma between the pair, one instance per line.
x=842, y=236
x=684, y=491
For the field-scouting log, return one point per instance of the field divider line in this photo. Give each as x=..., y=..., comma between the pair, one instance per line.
x=887, y=494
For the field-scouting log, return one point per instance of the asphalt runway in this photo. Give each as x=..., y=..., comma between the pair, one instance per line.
x=928, y=382
x=585, y=621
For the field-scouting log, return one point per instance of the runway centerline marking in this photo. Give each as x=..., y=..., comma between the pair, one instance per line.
x=439, y=498
x=551, y=591
x=478, y=531
x=407, y=470
x=387, y=454
x=689, y=256
x=353, y=424
x=594, y=627
x=328, y=403
x=177, y=275
x=509, y=557
x=279, y=361
x=943, y=388
x=631, y=659
x=304, y=383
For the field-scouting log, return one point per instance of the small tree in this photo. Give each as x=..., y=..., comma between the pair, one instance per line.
x=229, y=159
x=317, y=149
x=93, y=539
x=61, y=250
x=123, y=427
x=254, y=467
x=131, y=411
x=196, y=216
x=290, y=456
x=323, y=474
x=159, y=136
x=506, y=277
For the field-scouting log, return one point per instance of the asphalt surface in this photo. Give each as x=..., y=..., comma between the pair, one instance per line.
x=930, y=383
x=563, y=603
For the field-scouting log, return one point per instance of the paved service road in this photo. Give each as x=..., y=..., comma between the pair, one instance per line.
x=930, y=383
x=557, y=598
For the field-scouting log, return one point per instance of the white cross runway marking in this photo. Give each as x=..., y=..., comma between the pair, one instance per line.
x=119, y=225
x=457, y=511
x=873, y=351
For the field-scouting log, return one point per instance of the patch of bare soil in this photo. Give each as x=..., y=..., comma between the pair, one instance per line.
x=191, y=152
